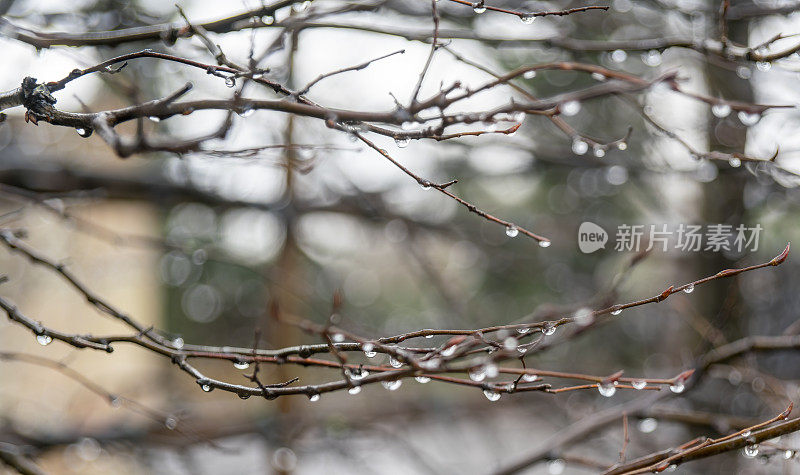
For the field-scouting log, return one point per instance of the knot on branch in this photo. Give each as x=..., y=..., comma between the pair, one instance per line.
x=37, y=99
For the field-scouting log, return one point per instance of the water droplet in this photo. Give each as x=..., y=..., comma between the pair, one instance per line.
x=672, y=468
x=521, y=349
x=618, y=56
x=300, y=6
x=579, y=147
x=517, y=116
x=155, y=118
x=751, y=450
x=83, y=132
x=689, y=289
x=449, y=350
x=178, y=343
x=394, y=362
x=523, y=330
x=491, y=395
x=207, y=388
x=527, y=18
x=616, y=311
x=392, y=385
x=748, y=119
x=530, y=74
x=640, y=384
x=556, y=467
x=354, y=390
x=314, y=397
x=735, y=162
x=721, y=110
x=652, y=58
x=369, y=350
x=479, y=8
x=529, y=377
x=512, y=231
x=428, y=337
x=648, y=425
x=570, y=108
x=423, y=379
x=230, y=81
x=244, y=396
x=599, y=151
x=746, y=434
x=337, y=337
x=744, y=72
x=622, y=146
x=677, y=387
x=599, y=76
x=402, y=142
x=763, y=66
x=44, y=340
x=607, y=389
x=241, y=364
x=788, y=454
x=477, y=374
x=545, y=243
x=358, y=375
x=170, y=422
x=549, y=329
x=246, y=111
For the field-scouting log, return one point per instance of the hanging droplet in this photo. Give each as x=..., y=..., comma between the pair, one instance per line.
x=748, y=119
x=392, y=385
x=530, y=74
x=648, y=425
x=652, y=58
x=369, y=350
x=751, y=450
x=570, y=108
x=394, y=362
x=622, y=146
x=423, y=379
x=354, y=390
x=177, y=343
x=618, y=56
x=599, y=151
x=241, y=364
x=359, y=375
x=244, y=396
x=556, y=467
x=512, y=231
x=207, y=388
x=689, y=289
x=763, y=66
x=44, y=340
x=735, y=162
x=402, y=142
x=246, y=111
x=491, y=395
x=522, y=349
x=155, y=118
x=477, y=374
x=579, y=147
x=426, y=185
x=677, y=387
x=314, y=397
x=639, y=384
x=549, y=329
x=616, y=311
x=721, y=110
x=527, y=18
x=428, y=337
x=607, y=389
x=746, y=434
x=529, y=377
x=788, y=454
x=599, y=76
x=479, y=8
x=544, y=243
x=83, y=132
x=523, y=330
x=230, y=81
x=337, y=337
